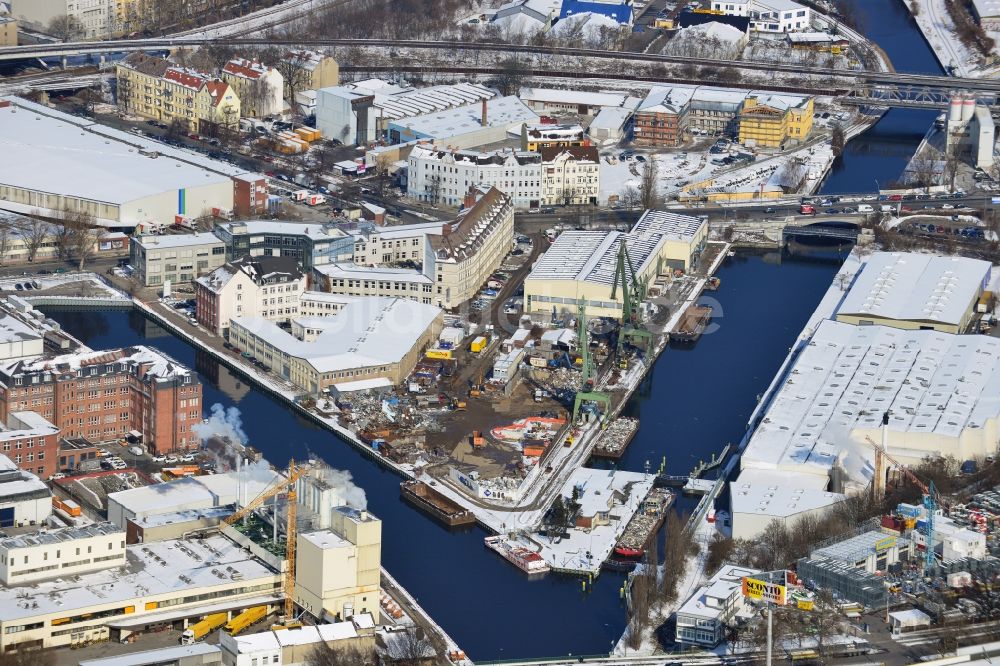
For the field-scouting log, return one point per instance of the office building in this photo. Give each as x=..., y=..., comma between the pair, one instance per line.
x=311, y=244
x=175, y=258
x=267, y=287
x=103, y=395
x=705, y=617
x=768, y=15
x=774, y=121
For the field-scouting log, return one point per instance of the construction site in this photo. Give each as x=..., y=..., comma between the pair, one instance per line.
x=497, y=417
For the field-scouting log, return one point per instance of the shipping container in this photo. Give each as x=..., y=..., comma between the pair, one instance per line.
x=478, y=344
x=438, y=353
x=67, y=506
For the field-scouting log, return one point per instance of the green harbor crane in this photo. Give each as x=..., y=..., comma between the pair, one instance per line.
x=587, y=370
x=633, y=294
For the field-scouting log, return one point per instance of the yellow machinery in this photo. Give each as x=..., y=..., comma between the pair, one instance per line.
x=286, y=486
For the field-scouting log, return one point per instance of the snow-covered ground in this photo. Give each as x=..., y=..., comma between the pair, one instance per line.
x=673, y=170
x=934, y=22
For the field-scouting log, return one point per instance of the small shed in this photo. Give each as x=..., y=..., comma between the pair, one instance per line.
x=908, y=620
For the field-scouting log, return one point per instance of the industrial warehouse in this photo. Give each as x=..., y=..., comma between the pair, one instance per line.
x=374, y=340
x=580, y=265
x=55, y=162
x=939, y=390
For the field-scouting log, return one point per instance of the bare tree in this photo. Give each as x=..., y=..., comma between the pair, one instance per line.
x=630, y=197
x=648, y=186
x=837, y=140
x=952, y=160
x=65, y=28
x=292, y=65
x=410, y=647
x=77, y=236
x=915, y=8
x=510, y=77
x=922, y=172
x=5, y=231
x=35, y=232
x=325, y=654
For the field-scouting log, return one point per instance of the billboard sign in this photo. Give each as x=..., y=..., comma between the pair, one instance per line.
x=760, y=590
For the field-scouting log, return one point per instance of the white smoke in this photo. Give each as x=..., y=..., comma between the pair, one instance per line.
x=856, y=458
x=224, y=423
x=342, y=481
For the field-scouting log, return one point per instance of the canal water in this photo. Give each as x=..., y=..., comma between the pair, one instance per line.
x=878, y=157
x=699, y=398
x=696, y=400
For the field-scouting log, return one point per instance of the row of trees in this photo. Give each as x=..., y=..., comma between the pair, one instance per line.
x=970, y=33
x=74, y=235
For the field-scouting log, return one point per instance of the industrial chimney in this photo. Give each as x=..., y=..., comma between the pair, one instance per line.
x=484, y=113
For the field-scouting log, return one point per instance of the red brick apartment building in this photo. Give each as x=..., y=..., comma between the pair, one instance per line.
x=105, y=394
x=31, y=442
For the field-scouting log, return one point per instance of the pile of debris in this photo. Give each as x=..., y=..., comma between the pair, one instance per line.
x=616, y=437
x=557, y=380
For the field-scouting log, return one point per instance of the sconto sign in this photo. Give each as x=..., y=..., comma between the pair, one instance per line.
x=760, y=590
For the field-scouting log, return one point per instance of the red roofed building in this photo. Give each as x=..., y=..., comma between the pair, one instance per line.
x=155, y=88
x=259, y=87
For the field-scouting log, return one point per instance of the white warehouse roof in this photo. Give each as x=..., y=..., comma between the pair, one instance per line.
x=367, y=331
x=591, y=256
x=916, y=287
x=937, y=387
x=45, y=151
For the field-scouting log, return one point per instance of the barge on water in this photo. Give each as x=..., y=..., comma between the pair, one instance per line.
x=616, y=438
x=523, y=558
x=646, y=522
x=692, y=324
x=436, y=504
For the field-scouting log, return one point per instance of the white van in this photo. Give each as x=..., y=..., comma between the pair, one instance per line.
x=865, y=208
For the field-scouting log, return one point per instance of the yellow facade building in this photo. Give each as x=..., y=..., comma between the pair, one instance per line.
x=154, y=88
x=580, y=265
x=770, y=121
x=8, y=31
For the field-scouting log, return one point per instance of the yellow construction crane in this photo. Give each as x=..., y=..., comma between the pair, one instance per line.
x=284, y=485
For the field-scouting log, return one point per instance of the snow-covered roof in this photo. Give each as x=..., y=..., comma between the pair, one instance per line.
x=155, y=363
x=664, y=99
x=779, y=494
x=315, y=230
x=394, y=102
x=558, y=96
x=849, y=376
x=163, y=241
x=455, y=121
x=344, y=271
x=713, y=30
x=368, y=331
x=50, y=152
x=167, y=655
x=212, y=490
x=363, y=385
x=611, y=118
x=13, y=329
x=987, y=8
x=727, y=580
x=916, y=287
x=152, y=569
x=591, y=256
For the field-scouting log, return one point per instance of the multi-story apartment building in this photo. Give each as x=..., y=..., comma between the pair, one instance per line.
x=176, y=259
x=768, y=15
x=154, y=88
x=313, y=70
x=444, y=177
x=267, y=287
x=31, y=442
x=259, y=87
x=103, y=395
x=771, y=121
x=456, y=258
x=571, y=175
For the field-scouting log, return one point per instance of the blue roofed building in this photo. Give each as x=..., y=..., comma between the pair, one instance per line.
x=619, y=11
